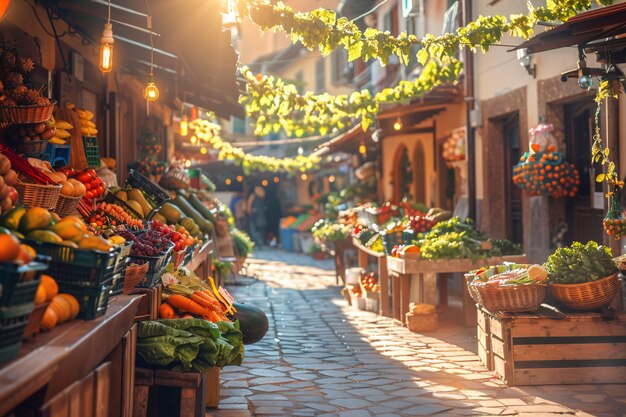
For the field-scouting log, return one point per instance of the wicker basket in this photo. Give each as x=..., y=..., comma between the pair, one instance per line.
x=66, y=205
x=32, y=148
x=422, y=322
x=26, y=114
x=36, y=195
x=587, y=296
x=135, y=273
x=473, y=291
x=511, y=298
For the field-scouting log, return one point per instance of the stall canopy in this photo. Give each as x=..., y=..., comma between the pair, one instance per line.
x=193, y=56
x=601, y=30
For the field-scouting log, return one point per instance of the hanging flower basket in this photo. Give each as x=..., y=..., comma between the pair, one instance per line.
x=546, y=173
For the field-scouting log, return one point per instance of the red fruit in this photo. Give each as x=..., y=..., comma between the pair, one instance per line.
x=176, y=236
x=91, y=172
x=84, y=177
x=89, y=194
x=13, y=194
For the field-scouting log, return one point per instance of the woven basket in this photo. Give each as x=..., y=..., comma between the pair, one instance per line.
x=422, y=322
x=66, y=205
x=26, y=114
x=33, y=147
x=36, y=195
x=511, y=298
x=135, y=273
x=473, y=291
x=587, y=296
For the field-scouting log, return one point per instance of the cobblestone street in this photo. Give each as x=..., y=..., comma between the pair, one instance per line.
x=324, y=358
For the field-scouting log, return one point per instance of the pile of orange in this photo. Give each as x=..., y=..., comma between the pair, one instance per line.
x=546, y=173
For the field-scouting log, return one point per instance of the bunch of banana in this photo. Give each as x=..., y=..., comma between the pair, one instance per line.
x=87, y=127
x=62, y=133
x=117, y=240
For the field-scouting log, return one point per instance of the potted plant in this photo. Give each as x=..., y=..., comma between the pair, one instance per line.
x=583, y=277
x=317, y=253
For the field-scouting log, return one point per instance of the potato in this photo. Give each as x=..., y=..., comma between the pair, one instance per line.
x=10, y=177
x=5, y=165
x=48, y=134
x=6, y=204
x=39, y=128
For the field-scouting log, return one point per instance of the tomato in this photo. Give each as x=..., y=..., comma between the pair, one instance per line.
x=87, y=186
x=91, y=172
x=102, y=188
x=89, y=194
x=94, y=183
x=83, y=177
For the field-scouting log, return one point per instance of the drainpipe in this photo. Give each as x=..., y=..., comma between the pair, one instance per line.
x=470, y=104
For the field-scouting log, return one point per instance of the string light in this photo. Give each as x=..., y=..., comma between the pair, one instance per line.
x=362, y=149
x=276, y=180
x=184, y=125
x=304, y=177
x=203, y=150
x=264, y=183
x=228, y=181
x=397, y=124
x=105, y=63
x=193, y=139
x=239, y=178
x=331, y=178
x=187, y=163
x=300, y=150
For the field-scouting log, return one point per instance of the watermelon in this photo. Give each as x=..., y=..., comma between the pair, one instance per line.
x=252, y=322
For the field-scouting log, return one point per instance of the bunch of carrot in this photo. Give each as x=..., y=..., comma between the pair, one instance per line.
x=202, y=304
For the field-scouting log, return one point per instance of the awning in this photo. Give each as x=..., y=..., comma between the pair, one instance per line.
x=348, y=142
x=192, y=53
x=583, y=30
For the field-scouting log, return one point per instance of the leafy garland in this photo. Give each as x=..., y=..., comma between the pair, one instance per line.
x=210, y=133
x=599, y=152
x=276, y=105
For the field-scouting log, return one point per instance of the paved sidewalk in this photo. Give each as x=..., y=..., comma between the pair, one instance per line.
x=322, y=358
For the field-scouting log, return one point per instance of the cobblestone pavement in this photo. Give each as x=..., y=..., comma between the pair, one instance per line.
x=323, y=358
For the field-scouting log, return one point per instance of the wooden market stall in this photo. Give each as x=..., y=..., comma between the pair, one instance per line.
x=420, y=280
x=364, y=254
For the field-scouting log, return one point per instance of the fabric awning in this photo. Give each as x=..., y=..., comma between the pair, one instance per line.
x=194, y=58
x=583, y=30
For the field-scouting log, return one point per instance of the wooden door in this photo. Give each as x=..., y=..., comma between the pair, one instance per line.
x=583, y=221
x=513, y=194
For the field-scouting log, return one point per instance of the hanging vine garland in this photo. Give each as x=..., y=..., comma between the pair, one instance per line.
x=275, y=104
x=208, y=132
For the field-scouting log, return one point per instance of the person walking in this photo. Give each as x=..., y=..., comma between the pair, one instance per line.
x=257, y=215
x=238, y=209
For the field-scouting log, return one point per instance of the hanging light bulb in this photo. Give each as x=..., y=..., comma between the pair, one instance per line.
x=239, y=178
x=397, y=124
x=228, y=181
x=187, y=163
x=105, y=63
x=304, y=177
x=193, y=139
x=362, y=149
x=300, y=150
x=276, y=180
x=184, y=126
x=264, y=183
x=151, y=93
x=203, y=150
x=331, y=178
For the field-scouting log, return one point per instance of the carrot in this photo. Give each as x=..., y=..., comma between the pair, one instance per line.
x=166, y=311
x=183, y=303
x=213, y=317
x=187, y=316
x=201, y=300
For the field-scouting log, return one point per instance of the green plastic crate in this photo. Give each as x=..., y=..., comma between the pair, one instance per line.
x=92, y=151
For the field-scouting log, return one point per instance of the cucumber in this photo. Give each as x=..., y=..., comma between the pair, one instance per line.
x=189, y=211
x=201, y=208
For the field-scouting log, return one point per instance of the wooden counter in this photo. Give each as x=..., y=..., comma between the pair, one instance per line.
x=416, y=280
x=364, y=254
x=53, y=361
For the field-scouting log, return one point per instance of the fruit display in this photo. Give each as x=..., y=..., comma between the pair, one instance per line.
x=151, y=243
x=136, y=199
x=94, y=186
x=147, y=163
x=454, y=146
x=13, y=72
x=614, y=222
x=20, y=133
x=62, y=132
x=62, y=307
x=369, y=282
x=8, y=177
x=108, y=216
x=546, y=173
x=580, y=263
x=177, y=235
x=87, y=126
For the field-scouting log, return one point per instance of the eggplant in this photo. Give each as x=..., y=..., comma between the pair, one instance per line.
x=252, y=322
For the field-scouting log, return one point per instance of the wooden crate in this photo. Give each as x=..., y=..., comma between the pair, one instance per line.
x=484, y=339
x=547, y=348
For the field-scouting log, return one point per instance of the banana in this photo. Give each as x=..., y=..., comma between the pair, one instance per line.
x=88, y=115
x=63, y=134
x=70, y=106
x=57, y=141
x=81, y=113
x=61, y=124
x=87, y=123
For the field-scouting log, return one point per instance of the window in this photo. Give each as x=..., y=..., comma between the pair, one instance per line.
x=300, y=81
x=320, y=75
x=339, y=64
x=239, y=126
x=451, y=18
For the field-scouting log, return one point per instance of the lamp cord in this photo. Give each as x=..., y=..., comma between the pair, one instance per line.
x=149, y=18
x=109, y=17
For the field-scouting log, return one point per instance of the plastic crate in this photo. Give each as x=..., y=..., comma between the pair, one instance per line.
x=155, y=269
x=155, y=195
x=286, y=239
x=58, y=155
x=11, y=332
x=18, y=283
x=83, y=268
x=92, y=151
x=93, y=301
x=112, y=199
x=118, y=275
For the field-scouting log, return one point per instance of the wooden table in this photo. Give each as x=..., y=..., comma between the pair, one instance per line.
x=76, y=368
x=364, y=254
x=416, y=279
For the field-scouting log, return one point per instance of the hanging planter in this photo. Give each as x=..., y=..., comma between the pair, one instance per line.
x=615, y=220
x=543, y=170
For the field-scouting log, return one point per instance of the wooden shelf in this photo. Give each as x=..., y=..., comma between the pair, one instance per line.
x=65, y=354
x=197, y=260
x=415, y=265
x=367, y=250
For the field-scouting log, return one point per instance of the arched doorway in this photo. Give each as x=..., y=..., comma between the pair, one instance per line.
x=402, y=175
x=420, y=173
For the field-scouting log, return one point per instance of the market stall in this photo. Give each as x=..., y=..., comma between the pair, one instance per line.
x=364, y=254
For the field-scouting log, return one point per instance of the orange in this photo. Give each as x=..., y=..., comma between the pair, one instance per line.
x=26, y=254
x=409, y=249
x=49, y=319
x=9, y=248
x=62, y=307
x=40, y=295
x=50, y=287
x=73, y=302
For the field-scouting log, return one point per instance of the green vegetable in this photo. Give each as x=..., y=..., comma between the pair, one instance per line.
x=242, y=242
x=580, y=263
x=330, y=232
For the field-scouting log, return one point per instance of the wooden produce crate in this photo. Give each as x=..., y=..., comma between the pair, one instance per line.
x=484, y=339
x=555, y=348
